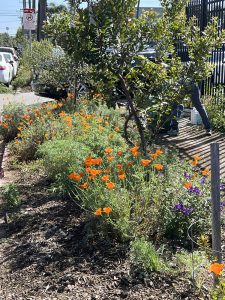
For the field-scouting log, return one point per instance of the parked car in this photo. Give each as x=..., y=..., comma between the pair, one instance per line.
x=10, y=50
x=9, y=58
x=6, y=70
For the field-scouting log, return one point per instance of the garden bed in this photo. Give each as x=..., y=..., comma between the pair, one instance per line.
x=46, y=254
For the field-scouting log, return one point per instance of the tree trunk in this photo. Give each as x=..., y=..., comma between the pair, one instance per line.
x=134, y=112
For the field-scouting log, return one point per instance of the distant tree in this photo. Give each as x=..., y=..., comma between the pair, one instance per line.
x=52, y=9
x=6, y=40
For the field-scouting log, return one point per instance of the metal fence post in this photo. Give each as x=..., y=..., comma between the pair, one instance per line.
x=203, y=20
x=215, y=195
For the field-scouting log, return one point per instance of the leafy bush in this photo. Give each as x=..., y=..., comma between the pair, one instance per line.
x=10, y=196
x=60, y=156
x=216, y=112
x=23, y=78
x=144, y=256
x=4, y=89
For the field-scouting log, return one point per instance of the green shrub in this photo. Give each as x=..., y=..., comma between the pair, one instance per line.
x=62, y=156
x=4, y=89
x=23, y=78
x=10, y=196
x=144, y=256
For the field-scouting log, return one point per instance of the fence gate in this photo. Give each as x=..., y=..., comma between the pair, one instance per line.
x=204, y=10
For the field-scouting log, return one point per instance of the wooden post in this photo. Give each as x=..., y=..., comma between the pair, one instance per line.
x=215, y=196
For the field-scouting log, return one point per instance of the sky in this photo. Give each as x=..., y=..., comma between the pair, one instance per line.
x=11, y=11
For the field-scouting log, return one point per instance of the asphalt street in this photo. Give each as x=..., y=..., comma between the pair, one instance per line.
x=26, y=98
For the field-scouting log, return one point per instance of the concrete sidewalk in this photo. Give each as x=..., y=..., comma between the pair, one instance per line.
x=26, y=98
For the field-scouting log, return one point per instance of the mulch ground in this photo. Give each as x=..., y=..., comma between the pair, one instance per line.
x=49, y=251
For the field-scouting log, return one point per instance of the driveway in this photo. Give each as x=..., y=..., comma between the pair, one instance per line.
x=26, y=98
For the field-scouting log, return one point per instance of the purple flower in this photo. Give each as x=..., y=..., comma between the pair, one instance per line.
x=203, y=180
x=184, y=210
x=187, y=211
x=222, y=187
x=179, y=206
x=222, y=204
x=186, y=175
x=194, y=190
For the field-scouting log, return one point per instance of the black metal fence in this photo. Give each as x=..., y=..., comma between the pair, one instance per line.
x=204, y=10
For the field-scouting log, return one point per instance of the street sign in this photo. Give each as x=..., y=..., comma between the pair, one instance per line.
x=29, y=19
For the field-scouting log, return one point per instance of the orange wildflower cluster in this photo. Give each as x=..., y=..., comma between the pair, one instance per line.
x=135, y=151
x=205, y=172
x=156, y=154
x=216, y=268
x=195, y=161
x=106, y=210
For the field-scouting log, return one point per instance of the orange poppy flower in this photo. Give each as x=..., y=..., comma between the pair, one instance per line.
x=216, y=268
x=68, y=119
x=136, y=154
x=105, y=178
x=110, y=158
x=81, y=174
x=110, y=185
x=197, y=157
x=74, y=176
x=107, y=171
x=134, y=149
x=107, y=210
x=116, y=129
x=95, y=172
x=158, y=167
x=88, y=161
x=205, y=172
x=194, y=162
x=5, y=125
x=108, y=150
x=120, y=153
x=98, y=212
x=62, y=113
x=96, y=161
x=88, y=169
x=158, y=152
x=187, y=185
x=68, y=124
x=100, y=120
x=119, y=166
x=121, y=175
x=84, y=185
x=76, y=114
x=145, y=162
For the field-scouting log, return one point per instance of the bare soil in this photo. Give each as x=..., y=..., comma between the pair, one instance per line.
x=49, y=251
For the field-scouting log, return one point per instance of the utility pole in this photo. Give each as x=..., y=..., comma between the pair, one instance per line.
x=42, y=6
